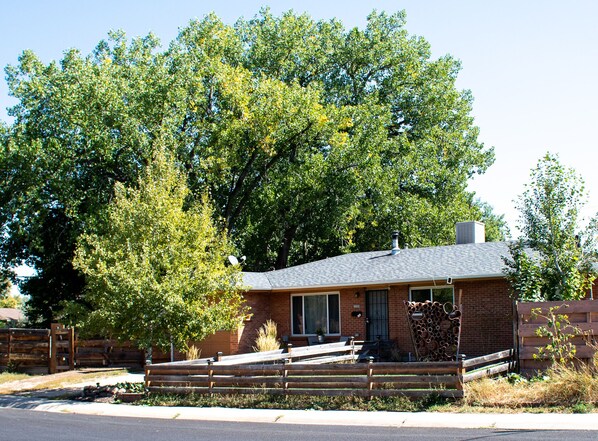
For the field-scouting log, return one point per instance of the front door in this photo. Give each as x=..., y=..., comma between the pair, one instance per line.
x=376, y=304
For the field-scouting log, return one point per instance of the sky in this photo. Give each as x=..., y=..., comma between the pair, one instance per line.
x=532, y=66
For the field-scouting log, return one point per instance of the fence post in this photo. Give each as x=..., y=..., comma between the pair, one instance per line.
x=71, y=348
x=52, y=356
x=210, y=377
x=460, y=375
x=370, y=376
x=10, y=331
x=289, y=351
x=285, y=374
x=219, y=356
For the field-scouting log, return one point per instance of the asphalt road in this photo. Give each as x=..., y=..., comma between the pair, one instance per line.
x=28, y=425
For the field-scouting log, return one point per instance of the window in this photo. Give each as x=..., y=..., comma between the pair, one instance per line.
x=314, y=313
x=441, y=294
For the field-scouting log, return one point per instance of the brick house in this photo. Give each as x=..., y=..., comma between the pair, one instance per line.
x=363, y=294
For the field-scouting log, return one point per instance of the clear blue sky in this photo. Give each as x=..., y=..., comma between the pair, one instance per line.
x=531, y=65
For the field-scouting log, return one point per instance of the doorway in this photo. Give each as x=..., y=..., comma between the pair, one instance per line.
x=376, y=304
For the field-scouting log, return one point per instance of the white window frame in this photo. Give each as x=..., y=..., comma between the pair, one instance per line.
x=327, y=312
x=411, y=288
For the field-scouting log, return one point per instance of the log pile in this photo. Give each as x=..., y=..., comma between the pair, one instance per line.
x=435, y=330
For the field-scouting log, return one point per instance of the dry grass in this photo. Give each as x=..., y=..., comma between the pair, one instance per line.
x=193, y=353
x=267, y=338
x=56, y=381
x=6, y=377
x=560, y=386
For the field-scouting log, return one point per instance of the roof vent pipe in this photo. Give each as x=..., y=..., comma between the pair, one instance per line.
x=395, y=243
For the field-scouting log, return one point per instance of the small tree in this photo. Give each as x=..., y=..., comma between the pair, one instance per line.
x=552, y=261
x=559, y=331
x=156, y=271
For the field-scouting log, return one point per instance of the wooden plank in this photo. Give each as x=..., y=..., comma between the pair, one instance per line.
x=408, y=386
x=421, y=379
x=312, y=392
x=420, y=364
x=488, y=358
x=172, y=383
x=583, y=352
x=415, y=368
x=323, y=385
x=494, y=370
x=529, y=330
x=28, y=357
x=329, y=360
x=331, y=369
x=331, y=379
x=574, y=306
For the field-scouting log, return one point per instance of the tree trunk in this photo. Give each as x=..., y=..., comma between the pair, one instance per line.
x=282, y=260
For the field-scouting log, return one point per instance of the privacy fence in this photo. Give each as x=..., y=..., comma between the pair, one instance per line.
x=49, y=350
x=300, y=373
x=583, y=318
x=58, y=349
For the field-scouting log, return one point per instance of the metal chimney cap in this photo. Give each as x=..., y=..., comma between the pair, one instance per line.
x=395, y=243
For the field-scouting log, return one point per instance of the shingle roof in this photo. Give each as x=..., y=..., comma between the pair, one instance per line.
x=467, y=261
x=12, y=314
x=257, y=281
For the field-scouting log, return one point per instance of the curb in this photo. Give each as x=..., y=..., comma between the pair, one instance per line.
x=521, y=421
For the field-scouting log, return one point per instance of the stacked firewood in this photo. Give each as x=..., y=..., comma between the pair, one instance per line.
x=435, y=330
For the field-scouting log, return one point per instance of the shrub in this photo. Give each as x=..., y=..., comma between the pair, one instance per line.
x=559, y=331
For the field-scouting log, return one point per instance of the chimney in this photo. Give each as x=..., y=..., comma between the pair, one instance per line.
x=395, y=243
x=470, y=232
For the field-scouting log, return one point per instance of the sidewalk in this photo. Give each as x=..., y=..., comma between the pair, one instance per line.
x=345, y=418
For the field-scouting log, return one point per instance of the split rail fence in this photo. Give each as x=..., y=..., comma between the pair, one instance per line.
x=285, y=376
x=582, y=314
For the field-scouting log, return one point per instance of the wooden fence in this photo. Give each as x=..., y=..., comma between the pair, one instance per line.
x=304, y=377
x=37, y=350
x=28, y=349
x=58, y=349
x=582, y=314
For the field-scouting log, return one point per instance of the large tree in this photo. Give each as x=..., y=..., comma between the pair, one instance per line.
x=156, y=267
x=555, y=257
x=311, y=139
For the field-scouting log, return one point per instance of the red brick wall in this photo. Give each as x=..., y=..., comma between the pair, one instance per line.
x=486, y=324
x=487, y=316
x=352, y=300
x=259, y=305
x=398, y=325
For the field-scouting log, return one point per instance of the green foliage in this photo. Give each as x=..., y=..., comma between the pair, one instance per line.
x=266, y=339
x=10, y=301
x=311, y=139
x=155, y=269
x=559, y=331
x=552, y=262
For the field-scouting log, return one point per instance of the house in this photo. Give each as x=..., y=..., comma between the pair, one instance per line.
x=363, y=294
x=10, y=317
